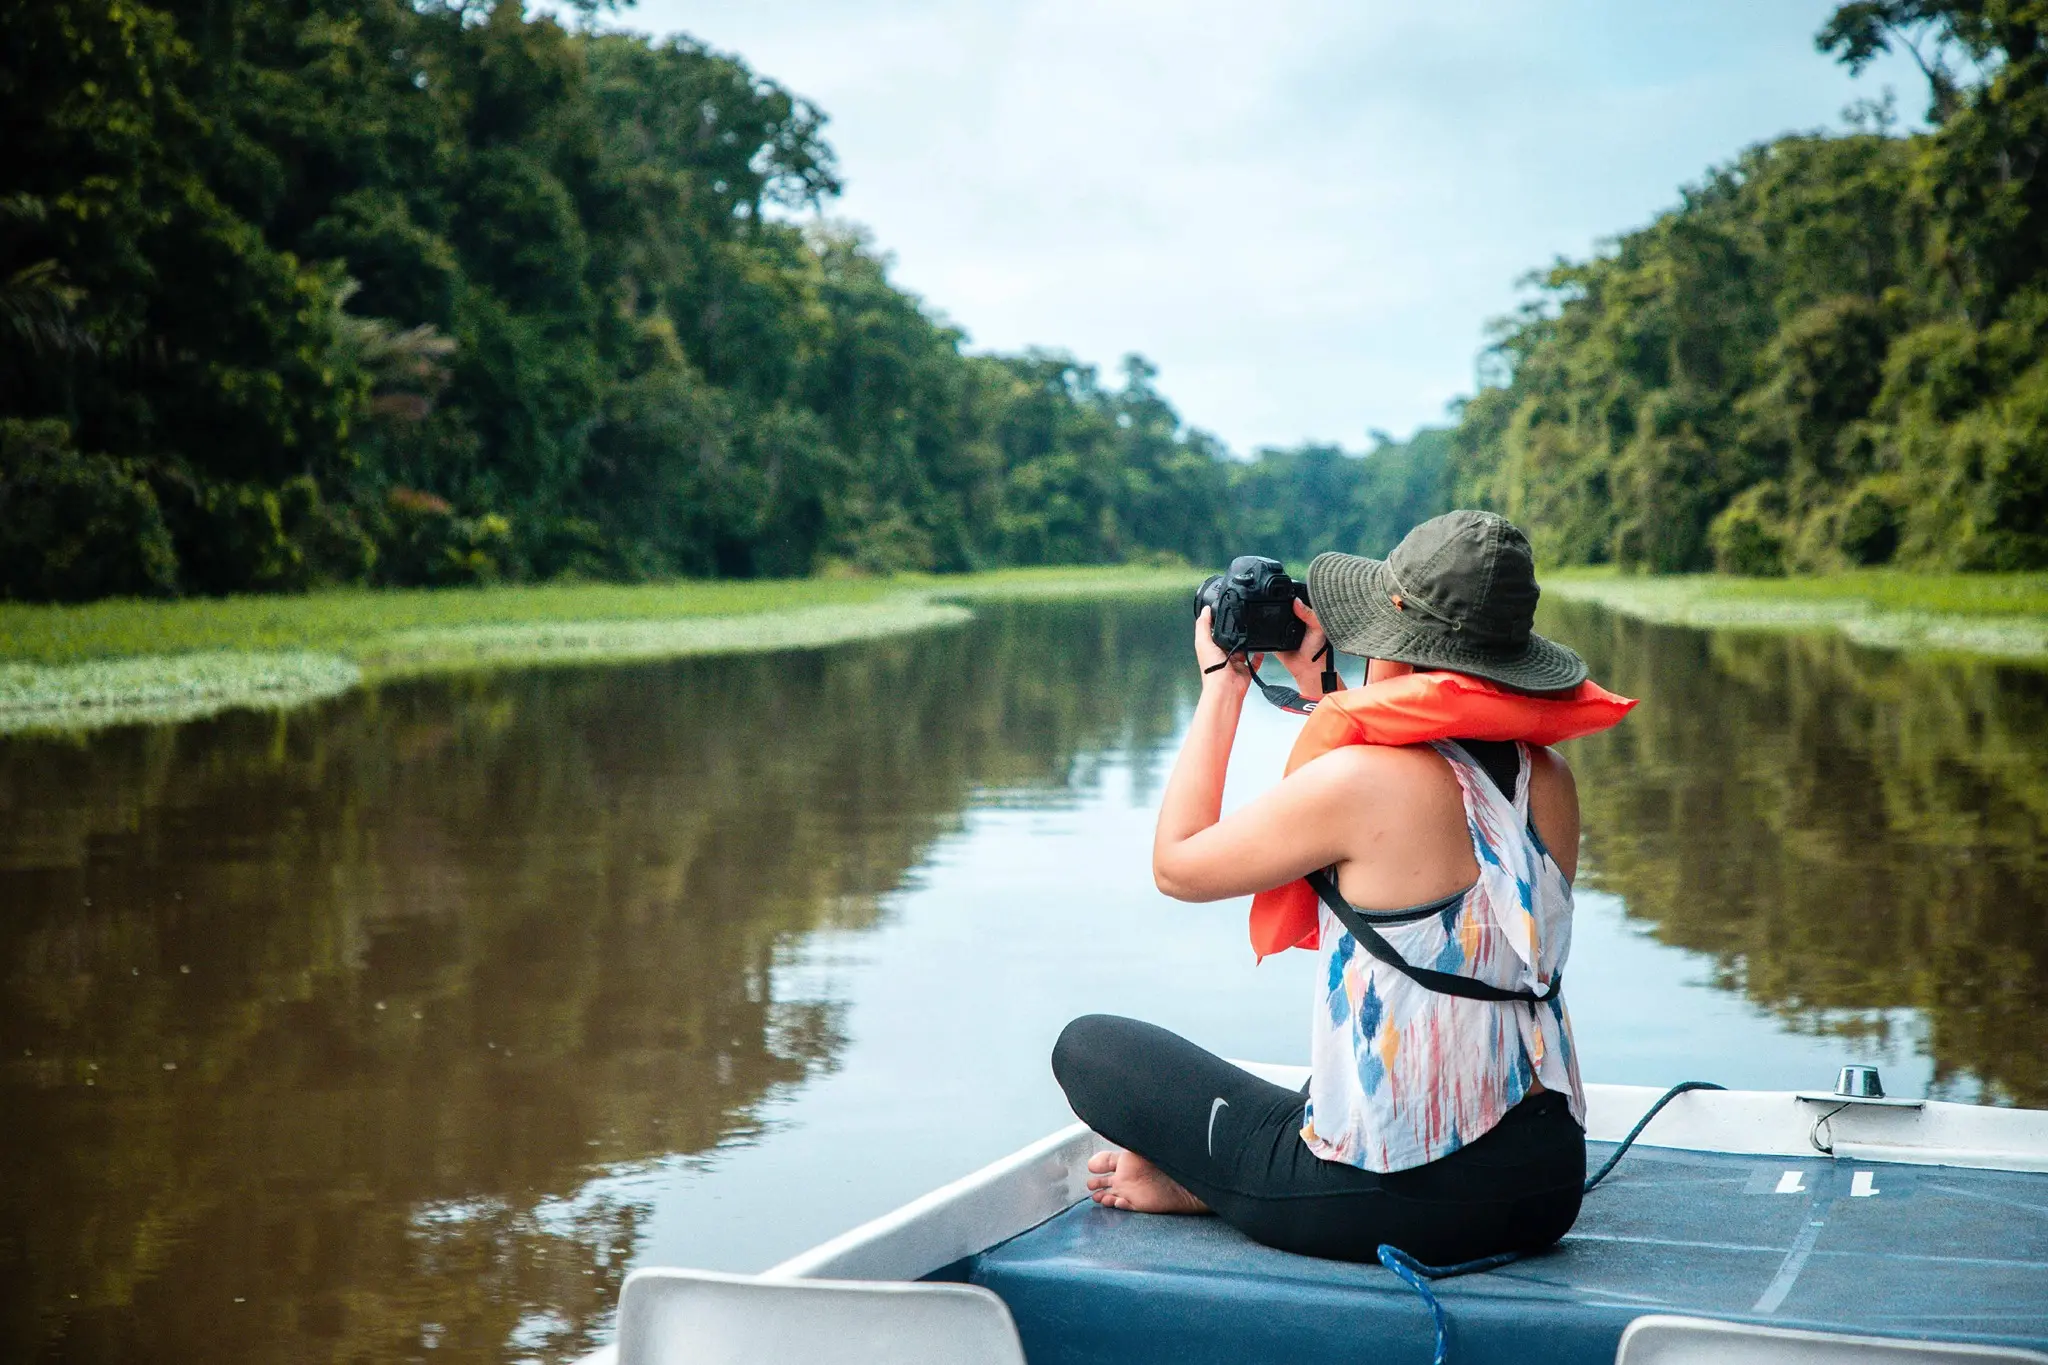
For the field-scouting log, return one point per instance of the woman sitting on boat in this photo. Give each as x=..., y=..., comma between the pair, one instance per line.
x=1442, y=1118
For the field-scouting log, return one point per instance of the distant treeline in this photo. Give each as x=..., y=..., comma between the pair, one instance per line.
x=1834, y=351
x=297, y=292
x=426, y=291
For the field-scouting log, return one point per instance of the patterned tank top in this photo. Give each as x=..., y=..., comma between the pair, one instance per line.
x=1402, y=1075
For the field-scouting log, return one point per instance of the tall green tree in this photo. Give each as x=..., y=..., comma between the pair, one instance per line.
x=1830, y=353
x=420, y=291
x=1298, y=503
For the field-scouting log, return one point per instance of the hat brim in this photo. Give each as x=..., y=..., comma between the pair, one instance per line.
x=1354, y=599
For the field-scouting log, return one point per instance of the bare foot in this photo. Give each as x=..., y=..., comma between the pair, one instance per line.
x=1125, y=1180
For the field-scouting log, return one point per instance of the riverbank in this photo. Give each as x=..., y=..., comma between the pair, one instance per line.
x=1993, y=615
x=70, y=668
x=75, y=668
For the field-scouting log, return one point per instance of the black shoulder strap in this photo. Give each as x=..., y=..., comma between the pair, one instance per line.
x=1444, y=983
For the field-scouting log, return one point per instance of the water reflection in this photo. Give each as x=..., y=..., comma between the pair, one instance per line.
x=1854, y=835
x=372, y=1032
x=315, y=1024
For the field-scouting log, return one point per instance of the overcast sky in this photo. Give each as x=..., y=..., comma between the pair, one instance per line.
x=1303, y=212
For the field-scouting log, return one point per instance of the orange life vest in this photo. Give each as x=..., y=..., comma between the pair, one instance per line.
x=1412, y=709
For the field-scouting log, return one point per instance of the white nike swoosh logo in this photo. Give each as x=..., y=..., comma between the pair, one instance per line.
x=1216, y=1108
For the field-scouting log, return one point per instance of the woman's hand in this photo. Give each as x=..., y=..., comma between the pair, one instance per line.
x=1234, y=674
x=1302, y=664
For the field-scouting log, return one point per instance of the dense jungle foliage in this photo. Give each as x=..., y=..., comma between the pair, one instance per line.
x=434, y=291
x=1833, y=352
x=298, y=292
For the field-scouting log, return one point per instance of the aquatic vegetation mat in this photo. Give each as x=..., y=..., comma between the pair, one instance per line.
x=1997, y=616
x=160, y=689
x=584, y=642
x=126, y=661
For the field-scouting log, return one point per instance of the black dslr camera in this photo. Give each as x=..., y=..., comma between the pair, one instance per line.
x=1254, y=607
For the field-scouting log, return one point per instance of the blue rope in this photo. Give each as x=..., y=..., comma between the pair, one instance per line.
x=1417, y=1276
x=1673, y=1093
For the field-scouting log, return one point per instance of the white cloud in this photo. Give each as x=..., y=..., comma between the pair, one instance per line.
x=1303, y=212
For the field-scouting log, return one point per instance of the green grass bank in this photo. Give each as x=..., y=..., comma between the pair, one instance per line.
x=1978, y=615
x=126, y=661
x=67, y=668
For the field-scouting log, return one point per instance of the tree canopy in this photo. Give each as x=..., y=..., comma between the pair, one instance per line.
x=426, y=291
x=297, y=292
x=1833, y=352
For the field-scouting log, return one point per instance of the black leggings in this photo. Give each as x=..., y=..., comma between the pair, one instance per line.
x=1235, y=1142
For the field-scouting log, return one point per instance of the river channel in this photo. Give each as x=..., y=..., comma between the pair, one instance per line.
x=401, y=1027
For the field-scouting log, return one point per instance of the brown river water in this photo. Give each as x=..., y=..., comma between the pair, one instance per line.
x=401, y=1027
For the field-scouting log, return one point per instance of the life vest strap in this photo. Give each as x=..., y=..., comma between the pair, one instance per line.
x=1443, y=983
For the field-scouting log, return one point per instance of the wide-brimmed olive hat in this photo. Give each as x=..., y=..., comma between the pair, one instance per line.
x=1459, y=592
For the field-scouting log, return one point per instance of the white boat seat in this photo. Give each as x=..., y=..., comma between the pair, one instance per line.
x=701, y=1317
x=1668, y=1339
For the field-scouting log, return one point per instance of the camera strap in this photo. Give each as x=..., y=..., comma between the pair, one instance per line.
x=1286, y=698
x=1443, y=983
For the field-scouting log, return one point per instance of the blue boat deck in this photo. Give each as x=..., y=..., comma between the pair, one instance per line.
x=1909, y=1251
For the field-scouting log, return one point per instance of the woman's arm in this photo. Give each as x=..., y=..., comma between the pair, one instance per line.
x=1289, y=830
x=1193, y=799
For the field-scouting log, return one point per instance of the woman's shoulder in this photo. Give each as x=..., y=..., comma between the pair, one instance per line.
x=1374, y=763
x=1380, y=762
x=1363, y=776
x=1548, y=767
